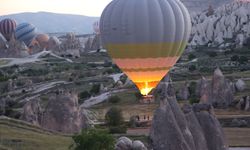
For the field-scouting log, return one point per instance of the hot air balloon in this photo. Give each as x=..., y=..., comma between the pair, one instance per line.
x=96, y=27
x=25, y=32
x=42, y=39
x=2, y=41
x=145, y=38
x=7, y=28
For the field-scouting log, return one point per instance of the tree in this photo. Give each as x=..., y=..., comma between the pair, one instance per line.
x=247, y=42
x=235, y=58
x=83, y=96
x=114, y=99
x=211, y=54
x=93, y=139
x=191, y=56
x=114, y=117
x=243, y=59
x=192, y=68
x=95, y=89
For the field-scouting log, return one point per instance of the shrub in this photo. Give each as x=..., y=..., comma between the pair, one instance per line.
x=114, y=99
x=93, y=139
x=192, y=88
x=193, y=100
x=118, y=129
x=235, y=58
x=192, y=68
x=95, y=89
x=191, y=56
x=83, y=96
x=114, y=117
x=212, y=54
x=243, y=59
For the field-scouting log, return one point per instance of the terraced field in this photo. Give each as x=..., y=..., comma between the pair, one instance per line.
x=18, y=135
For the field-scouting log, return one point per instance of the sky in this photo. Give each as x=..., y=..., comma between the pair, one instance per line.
x=79, y=7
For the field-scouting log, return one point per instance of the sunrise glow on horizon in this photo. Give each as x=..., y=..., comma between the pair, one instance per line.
x=78, y=7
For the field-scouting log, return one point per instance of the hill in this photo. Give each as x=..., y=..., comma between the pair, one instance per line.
x=16, y=134
x=52, y=22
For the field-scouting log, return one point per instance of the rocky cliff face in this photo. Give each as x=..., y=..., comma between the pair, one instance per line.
x=217, y=92
x=62, y=113
x=201, y=5
x=32, y=112
x=195, y=129
x=226, y=26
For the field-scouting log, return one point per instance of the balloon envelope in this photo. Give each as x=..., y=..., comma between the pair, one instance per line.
x=42, y=39
x=145, y=38
x=25, y=32
x=7, y=28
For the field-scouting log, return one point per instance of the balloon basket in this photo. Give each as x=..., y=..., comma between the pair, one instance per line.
x=147, y=99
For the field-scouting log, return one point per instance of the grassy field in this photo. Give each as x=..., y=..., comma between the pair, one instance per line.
x=238, y=137
x=18, y=135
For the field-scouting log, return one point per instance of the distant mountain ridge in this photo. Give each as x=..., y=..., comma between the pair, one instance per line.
x=53, y=23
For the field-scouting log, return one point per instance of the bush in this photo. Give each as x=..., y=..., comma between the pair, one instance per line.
x=191, y=56
x=192, y=89
x=114, y=117
x=194, y=100
x=95, y=89
x=192, y=68
x=93, y=139
x=114, y=99
x=84, y=95
x=118, y=129
x=212, y=54
x=243, y=60
x=247, y=42
x=235, y=58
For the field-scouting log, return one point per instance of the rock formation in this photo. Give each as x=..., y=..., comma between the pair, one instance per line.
x=183, y=93
x=32, y=112
x=63, y=114
x=244, y=103
x=228, y=26
x=222, y=94
x=201, y=5
x=93, y=43
x=138, y=145
x=2, y=106
x=218, y=91
x=240, y=85
x=124, y=143
x=195, y=129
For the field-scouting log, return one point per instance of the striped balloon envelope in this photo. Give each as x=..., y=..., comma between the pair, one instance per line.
x=25, y=32
x=7, y=28
x=145, y=38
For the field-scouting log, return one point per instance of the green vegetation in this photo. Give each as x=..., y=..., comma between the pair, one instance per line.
x=93, y=139
x=114, y=99
x=114, y=117
x=191, y=56
x=192, y=68
x=115, y=121
x=211, y=54
x=95, y=89
x=83, y=96
x=15, y=134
